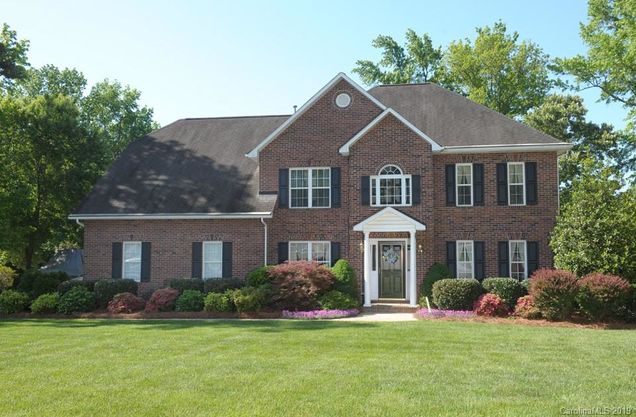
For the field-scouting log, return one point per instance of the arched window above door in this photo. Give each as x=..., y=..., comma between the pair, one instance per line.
x=391, y=187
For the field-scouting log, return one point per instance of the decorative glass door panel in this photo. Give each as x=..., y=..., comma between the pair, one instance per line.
x=391, y=270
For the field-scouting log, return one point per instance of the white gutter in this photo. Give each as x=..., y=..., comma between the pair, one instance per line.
x=172, y=216
x=78, y=222
x=560, y=147
x=265, y=240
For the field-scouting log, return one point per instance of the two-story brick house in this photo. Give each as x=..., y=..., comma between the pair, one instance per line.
x=394, y=179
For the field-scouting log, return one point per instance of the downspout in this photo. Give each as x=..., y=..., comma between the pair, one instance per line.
x=265, y=240
x=79, y=222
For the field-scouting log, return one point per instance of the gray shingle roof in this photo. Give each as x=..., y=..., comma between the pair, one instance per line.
x=453, y=120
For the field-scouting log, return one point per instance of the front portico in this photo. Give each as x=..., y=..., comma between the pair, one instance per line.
x=392, y=259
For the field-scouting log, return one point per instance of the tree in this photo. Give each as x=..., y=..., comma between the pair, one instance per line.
x=564, y=117
x=497, y=71
x=415, y=62
x=13, y=54
x=596, y=228
x=610, y=64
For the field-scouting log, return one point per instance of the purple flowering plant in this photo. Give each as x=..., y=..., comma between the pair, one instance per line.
x=319, y=314
x=424, y=313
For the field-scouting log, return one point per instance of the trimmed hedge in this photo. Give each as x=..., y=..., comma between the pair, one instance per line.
x=336, y=300
x=12, y=301
x=222, y=284
x=163, y=299
x=250, y=299
x=106, y=289
x=603, y=297
x=183, y=284
x=345, y=278
x=456, y=293
x=259, y=276
x=66, y=286
x=554, y=292
x=219, y=301
x=77, y=300
x=508, y=289
x=46, y=303
x=434, y=274
x=190, y=300
x=126, y=302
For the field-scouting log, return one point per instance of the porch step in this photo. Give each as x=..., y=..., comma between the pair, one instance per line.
x=392, y=307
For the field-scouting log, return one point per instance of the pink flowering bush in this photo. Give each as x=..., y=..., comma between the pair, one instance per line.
x=526, y=309
x=319, y=314
x=298, y=285
x=163, y=299
x=603, y=296
x=126, y=302
x=424, y=313
x=490, y=305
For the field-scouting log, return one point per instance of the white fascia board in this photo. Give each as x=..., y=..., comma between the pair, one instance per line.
x=409, y=223
x=346, y=148
x=280, y=129
x=172, y=216
x=560, y=147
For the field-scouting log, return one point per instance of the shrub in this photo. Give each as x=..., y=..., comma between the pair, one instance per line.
x=35, y=282
x=490, y=305
x=298, y=284
x=345, y=278
x=259, y=276
x=336, y=300
x=219, y=301
x=183, y=284
x=126, y=302
x=66, y=286
x=434, y=274
x=525, y=283
x=250, y=298
x=603, y=296
x=12, y=301
x=163, y=299
x=46, y=303
x=554, y=293
x=508, y=289
x=222, y=284
x=190, y=300
x=105, y=289
x=77, y=300
x=526, y=309
x=456, y=294
x=6, y=277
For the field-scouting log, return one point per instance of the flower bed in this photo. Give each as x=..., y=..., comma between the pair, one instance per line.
x=319, y=314
x=424, y=313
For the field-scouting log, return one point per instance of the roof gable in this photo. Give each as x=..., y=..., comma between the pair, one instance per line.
x=389, y=219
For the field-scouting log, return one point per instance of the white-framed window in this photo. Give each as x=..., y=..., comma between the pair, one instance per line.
x=131, y=261
x=309, y=187
x=518, y=259
x=465, y=259
x=516, y=184
x=310, y=251
x=464, y=184
x=390, y=187
x=212, y=260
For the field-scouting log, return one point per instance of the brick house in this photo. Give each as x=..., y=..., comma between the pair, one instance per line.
x=393, y=179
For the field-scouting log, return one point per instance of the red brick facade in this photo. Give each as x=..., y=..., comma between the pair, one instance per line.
x=313, y=140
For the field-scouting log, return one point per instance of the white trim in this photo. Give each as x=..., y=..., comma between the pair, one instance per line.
x=310, y=188
x=472, y=257
x=203, y=261
x=346, y=148
x=457, y=185
x=310, y=247
x=411, y=224
x=340, y=76
x=525, y=257
x=560, y=148
x=523, y=181
x=172, y=216
x=404, y=189
x=123, y=258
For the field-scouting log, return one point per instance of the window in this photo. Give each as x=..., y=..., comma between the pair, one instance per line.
x=465, y=259
x=516, y=184
x=464, y=181
x=315, y=251
x=310, y=187
x=518, y=259
x=212, y=260
x=391, y=188
x=131, y=267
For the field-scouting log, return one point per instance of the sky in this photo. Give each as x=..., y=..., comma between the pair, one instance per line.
x=232, y=58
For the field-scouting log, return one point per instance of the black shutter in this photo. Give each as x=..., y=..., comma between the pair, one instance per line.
x=197, y=259
x=145, y=261
x=451, y=258
x=450, y=185
x=116, y=260
x=365, y=196
x=335, y=187
x=502, y=184
x=478, y=184
x=416, y=190
x=480, y=261
x=227, y=260
x=283, y=252
x=283, y=187
x=533, y=257
x=335, y=252
x=504, y=270
x=531, y=182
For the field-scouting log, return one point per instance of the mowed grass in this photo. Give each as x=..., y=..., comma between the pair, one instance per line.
x=290, y=368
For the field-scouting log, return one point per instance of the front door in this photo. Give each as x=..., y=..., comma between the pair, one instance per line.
x=391, y=270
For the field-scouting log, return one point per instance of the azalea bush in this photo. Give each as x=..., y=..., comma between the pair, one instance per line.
x=433, y=313
x=163, y=299
x=319, y=314
x=554, y=293
x=46, y=303
x=298, y=285
x=603, y=296
x=456, y=293
x=250, y=298
x=126, y=302
x=219, y=301
x=490, y=305
x=508, y=289
x=336, y=300
x=77, y=300
x=12, y=301
x=526, y=309
x=190, y=300
x=105, y=289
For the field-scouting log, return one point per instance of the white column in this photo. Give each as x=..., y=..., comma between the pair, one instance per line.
x=367, y=271
x=413, y=275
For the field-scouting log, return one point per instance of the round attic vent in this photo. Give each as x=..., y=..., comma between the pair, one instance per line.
x=343, y=100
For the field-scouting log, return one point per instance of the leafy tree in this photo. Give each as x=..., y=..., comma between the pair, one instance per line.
x=497, y=70
x=13, y=54
x=610, y=64
x=415, y=62
x=596, y=228
x=49, y=79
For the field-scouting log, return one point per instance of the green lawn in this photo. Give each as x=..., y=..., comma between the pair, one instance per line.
x=291, y=368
